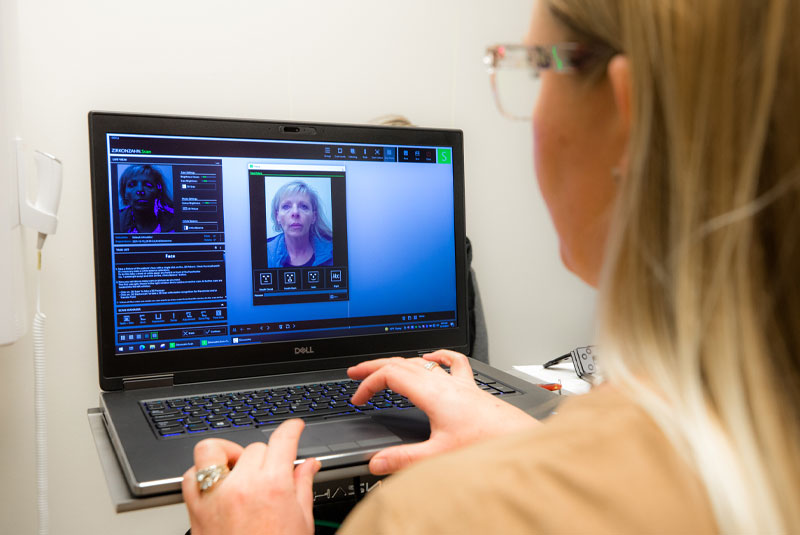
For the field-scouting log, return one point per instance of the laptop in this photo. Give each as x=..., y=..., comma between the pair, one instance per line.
x=242, y=266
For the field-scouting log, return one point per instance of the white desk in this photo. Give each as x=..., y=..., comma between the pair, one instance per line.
x=563, y=373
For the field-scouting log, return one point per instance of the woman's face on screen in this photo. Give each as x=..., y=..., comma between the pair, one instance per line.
x=296, y=215
x=140, y=192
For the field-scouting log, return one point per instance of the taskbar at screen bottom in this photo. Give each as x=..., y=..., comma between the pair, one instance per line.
x=293, y=331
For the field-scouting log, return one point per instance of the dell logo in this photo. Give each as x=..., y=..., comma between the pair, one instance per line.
x=306, y=350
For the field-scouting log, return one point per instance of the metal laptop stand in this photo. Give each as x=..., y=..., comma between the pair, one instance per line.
x=329, y=486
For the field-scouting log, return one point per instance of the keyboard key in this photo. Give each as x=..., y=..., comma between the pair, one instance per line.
x=163, y=412
x=174, y=430
x=164, y=417
x=243, y=421
x=220, y=424
x=167, y=423
x=328, y=412
x=272, y=419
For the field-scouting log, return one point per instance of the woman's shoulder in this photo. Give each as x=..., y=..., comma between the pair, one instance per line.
x=600, y=465
x=323, y=250
x=275, y=241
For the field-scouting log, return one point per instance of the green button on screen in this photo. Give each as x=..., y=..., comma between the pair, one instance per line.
x=444, y=156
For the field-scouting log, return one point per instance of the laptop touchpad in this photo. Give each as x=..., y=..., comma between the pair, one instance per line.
x=332, y=437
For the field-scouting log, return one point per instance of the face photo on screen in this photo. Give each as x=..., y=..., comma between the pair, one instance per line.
x=145, y=199
x=298, y=227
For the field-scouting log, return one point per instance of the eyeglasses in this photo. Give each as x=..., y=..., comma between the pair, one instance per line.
x=515, y=70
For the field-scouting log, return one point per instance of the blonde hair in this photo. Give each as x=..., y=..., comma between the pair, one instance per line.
x=699, y=297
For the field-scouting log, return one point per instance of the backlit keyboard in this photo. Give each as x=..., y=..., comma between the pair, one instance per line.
x=255, y=408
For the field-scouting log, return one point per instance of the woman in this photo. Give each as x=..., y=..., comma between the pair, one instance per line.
x=666, y=149
x=148, y=207
x=305, y=236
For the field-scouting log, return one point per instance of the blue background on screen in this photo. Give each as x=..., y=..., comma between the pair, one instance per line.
x=401, y=244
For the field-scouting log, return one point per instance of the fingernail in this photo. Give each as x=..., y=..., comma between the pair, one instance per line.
x=380, y=466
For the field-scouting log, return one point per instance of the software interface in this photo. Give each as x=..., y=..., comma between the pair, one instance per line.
x=236, y=241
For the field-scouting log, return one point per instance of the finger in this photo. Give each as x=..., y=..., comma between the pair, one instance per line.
x=206, y=453
x=397, y=375
x=406, y=378
x=365, y=369
x=303, y=484
x=189, y=487
x=458, y=363
x=191, y=494
x=395, y=458
x=283, y=447
x=216, y=451
x=252, y=458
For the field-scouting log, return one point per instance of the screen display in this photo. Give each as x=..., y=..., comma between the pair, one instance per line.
x=226, y=241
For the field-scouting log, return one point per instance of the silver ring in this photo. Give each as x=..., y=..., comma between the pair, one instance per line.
x=211, y=475
x=430, y=365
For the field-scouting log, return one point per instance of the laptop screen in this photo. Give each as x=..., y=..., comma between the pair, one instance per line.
x=307, y=235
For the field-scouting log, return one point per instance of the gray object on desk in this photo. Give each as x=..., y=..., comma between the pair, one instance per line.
x=120, y=494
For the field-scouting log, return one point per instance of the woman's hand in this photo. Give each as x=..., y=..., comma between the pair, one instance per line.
x=460, y=413
x=264, y=492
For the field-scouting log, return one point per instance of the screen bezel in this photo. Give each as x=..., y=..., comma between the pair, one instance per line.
x=259, y=359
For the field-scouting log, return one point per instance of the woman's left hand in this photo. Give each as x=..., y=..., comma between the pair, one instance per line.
x=264, y=492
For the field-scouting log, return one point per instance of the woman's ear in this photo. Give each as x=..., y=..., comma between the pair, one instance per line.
x=619, y=75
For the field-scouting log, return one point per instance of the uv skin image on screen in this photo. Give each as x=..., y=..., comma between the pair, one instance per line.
x=298, y=234
x=145, y=199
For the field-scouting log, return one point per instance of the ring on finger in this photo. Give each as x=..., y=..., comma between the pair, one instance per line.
x=210, y=476
x=430, y=365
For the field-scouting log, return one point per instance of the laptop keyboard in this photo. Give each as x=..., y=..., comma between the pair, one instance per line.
x=255, y=408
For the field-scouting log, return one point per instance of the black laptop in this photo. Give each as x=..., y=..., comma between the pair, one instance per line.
x=241, y=266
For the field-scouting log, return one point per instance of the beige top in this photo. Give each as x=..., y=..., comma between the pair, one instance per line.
x=600, y=466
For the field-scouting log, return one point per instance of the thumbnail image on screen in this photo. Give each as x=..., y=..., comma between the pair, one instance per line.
x=145, y=199
x=298, y=228
x=298, y=234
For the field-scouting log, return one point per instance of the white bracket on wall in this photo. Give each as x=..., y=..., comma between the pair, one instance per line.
x=40, y=215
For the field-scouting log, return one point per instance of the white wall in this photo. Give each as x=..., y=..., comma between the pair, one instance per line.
x=319, y=60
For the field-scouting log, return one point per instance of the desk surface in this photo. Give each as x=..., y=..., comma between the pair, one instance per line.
x=563, y=373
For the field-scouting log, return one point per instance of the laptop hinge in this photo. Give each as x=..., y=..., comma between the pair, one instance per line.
x=147, y=381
